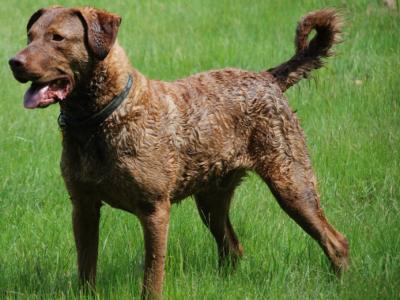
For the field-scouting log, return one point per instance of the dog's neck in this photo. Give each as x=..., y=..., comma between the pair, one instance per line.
x=107, y=79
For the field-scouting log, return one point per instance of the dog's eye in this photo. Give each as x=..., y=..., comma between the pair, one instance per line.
x=57, y=38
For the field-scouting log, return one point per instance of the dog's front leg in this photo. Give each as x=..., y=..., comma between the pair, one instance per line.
x=155, y=220
x=85, y=219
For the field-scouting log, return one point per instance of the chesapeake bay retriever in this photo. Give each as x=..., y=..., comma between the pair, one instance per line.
x=141, y=145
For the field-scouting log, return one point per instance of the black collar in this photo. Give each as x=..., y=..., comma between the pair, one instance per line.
x=66, y=121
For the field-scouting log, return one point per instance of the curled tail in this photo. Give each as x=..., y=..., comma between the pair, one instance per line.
x=310, y=55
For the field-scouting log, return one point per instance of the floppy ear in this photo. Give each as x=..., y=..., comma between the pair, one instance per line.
x=34, y=18
x=101, y=30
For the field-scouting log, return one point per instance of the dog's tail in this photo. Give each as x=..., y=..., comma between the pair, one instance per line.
x=309, y=55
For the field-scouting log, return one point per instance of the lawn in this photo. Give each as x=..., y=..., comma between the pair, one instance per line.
x=350, y=112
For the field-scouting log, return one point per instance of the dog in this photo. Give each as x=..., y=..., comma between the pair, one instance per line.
x=141, y=145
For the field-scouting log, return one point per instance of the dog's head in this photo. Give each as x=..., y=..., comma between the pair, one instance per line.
x=63, y=44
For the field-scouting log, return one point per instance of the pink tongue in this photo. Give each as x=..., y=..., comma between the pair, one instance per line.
x=34, y=97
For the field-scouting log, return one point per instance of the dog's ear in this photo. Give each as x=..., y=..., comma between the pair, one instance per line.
x=101, y=30
x=36, y=15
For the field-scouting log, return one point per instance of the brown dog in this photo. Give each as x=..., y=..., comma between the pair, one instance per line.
x=141, y=145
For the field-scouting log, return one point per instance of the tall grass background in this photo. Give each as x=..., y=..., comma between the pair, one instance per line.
x=350, y=114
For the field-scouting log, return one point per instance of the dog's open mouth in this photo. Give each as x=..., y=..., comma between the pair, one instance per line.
x=41, y=95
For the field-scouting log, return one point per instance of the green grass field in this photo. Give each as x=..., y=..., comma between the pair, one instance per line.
x=350, y=112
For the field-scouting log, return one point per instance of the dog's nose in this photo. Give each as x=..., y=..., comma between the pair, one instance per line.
x=16, y=62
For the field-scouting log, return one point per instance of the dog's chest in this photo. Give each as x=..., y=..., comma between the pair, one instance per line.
x=112, y=169
x=106, y=180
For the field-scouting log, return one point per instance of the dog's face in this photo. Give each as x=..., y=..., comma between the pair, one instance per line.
x=63, y=45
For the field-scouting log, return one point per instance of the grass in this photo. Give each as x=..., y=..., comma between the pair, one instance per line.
x=350, y=113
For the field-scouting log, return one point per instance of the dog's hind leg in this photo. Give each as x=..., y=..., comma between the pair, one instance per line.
x=286, y=169
x=213, y=205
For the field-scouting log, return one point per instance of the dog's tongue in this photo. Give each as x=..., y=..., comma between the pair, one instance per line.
x=34, y=96
x=42, y=96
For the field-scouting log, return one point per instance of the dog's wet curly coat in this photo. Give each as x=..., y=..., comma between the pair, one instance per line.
x=168, y=140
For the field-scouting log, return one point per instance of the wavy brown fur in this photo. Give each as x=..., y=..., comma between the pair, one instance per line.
x=309, y=56
x=169, y=140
